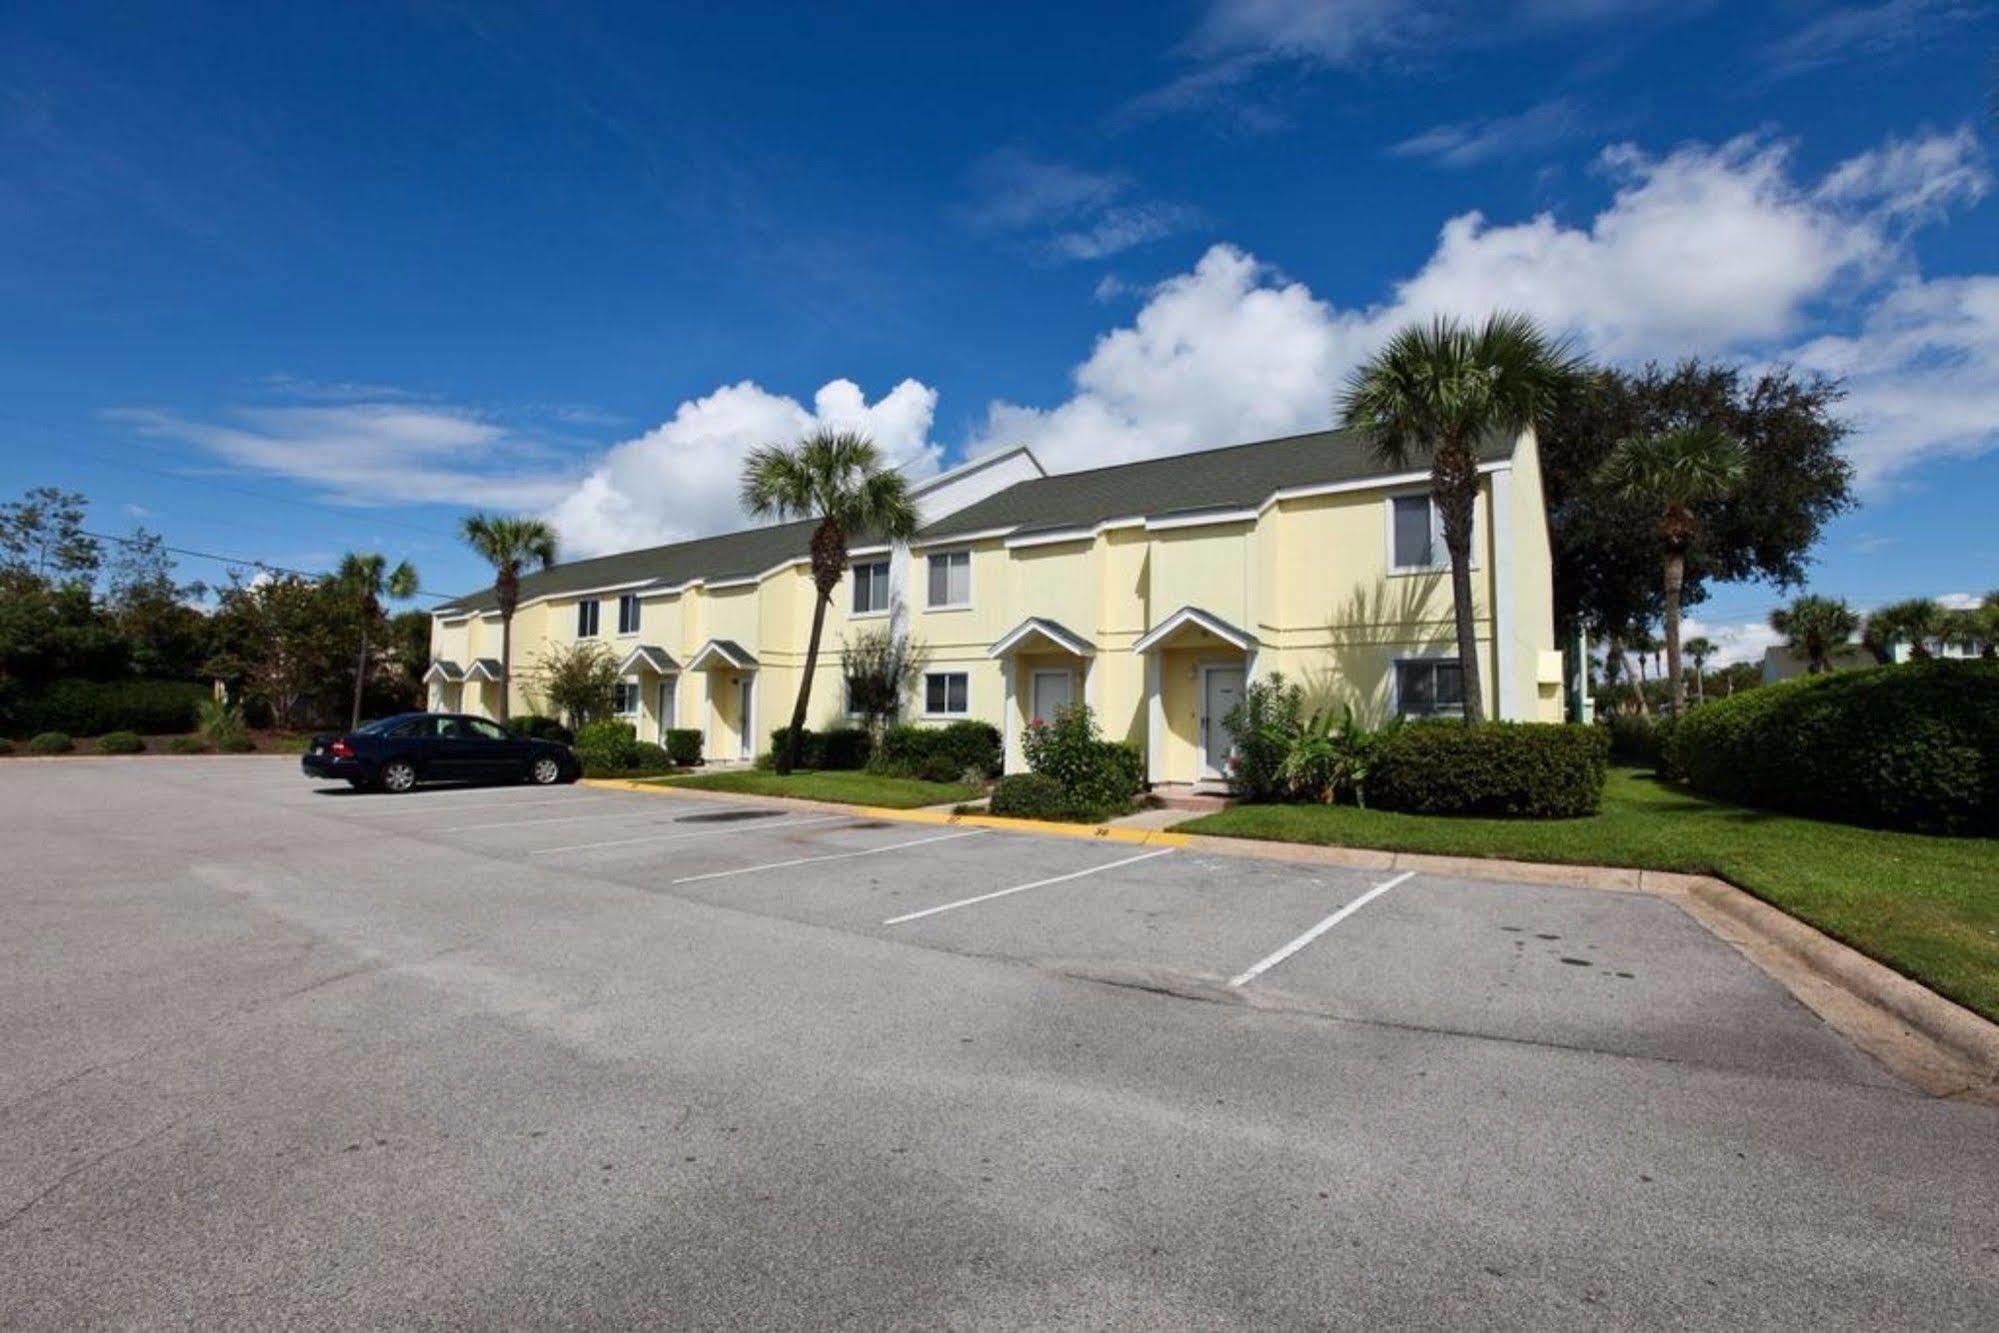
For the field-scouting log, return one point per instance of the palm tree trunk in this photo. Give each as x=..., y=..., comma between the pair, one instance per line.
x=1676, y=569
x=1638, y=683
x=788, y=758
x=506, y=660
x=1457, y=541
x=360, y=676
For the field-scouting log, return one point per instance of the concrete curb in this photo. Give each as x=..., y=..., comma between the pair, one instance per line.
x=1930, y=1041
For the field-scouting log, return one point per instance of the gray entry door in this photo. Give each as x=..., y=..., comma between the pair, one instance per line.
x=1221, y=689
x=1053, y=691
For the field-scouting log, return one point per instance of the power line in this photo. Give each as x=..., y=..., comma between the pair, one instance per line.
x=236, y=561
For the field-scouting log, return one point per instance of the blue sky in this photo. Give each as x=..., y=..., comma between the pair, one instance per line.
x=286, y=282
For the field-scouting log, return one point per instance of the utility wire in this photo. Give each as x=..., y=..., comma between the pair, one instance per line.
x=237, y=562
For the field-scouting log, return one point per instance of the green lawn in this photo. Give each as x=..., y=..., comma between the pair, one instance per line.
x=846, y=788
x=1928, y=907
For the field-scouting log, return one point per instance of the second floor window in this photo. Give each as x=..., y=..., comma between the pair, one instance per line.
x=628, y=613
x=1416, y=538
x=870, y=587
x=951, y=579
x=586, y=620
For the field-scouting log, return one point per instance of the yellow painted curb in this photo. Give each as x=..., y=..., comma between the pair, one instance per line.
x=1095, y=832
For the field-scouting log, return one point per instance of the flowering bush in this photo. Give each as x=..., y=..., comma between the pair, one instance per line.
x=1099, y=778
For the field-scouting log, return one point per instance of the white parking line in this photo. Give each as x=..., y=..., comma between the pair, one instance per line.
x=633, y=812
x=836, y=856
x=1294, y=946
x=1023, y=888
x=753, y=826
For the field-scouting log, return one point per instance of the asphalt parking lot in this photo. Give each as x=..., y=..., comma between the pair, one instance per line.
x=279, y=1052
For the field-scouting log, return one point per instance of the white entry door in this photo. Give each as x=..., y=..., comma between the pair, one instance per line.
x=1053, y=691
x=746, y=714
x=667, y=689
x=1221, y=690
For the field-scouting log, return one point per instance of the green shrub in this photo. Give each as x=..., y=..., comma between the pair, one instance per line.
x=649, y=756
x=1264, y=724
x=970, y=747
x=51, y=742
x=95, y=707
x=1099, y=778
x=120, y=742
x=1541, y=769
x=237, y=744
x=683, y=746
x=187, y=745
x=1912, y=747
x=841, y=748
x=220, y=724
x=939, y=767
x=536, y=727
x=1030, y=796
x=610, y=744
x=1331, y=758
x=1638, y=739
x=6, y=746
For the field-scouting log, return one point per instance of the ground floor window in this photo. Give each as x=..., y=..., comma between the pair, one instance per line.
x=1429, y=688
x=625, y=698
x=946, y=694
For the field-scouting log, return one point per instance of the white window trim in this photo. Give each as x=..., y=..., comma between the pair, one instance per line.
x=1395, y=682
x=596, y=618
x=1436, y=534
x=971, y=588
x=633, y=691
x=951, y=717
x=638, y=615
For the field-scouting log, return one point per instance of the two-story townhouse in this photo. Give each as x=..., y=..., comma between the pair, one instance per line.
x=1154, y=591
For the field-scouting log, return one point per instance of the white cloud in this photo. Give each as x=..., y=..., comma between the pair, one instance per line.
x=1855, y=32
x=1743, y=641
x=1707, y=250
x=1960, y=601
x=376, y=453
x=1067, y=212
x=1468, y=143
x=680, y=479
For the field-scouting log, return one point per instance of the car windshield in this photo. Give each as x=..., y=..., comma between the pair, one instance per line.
x=383, y=724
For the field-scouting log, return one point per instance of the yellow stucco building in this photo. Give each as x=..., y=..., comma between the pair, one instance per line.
x=1154, y=591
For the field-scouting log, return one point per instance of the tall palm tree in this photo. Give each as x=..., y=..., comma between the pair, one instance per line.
x=1678, y=473
x=1919, y=622
x=1440, y=391
x=1815, y=628
x=1645, y=644
x=1700, y=648
x=839, y=478
x=366, y=576
x=509, y=545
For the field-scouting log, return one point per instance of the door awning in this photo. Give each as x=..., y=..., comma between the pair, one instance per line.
x=721, y=655
x=485, y=668
x=648, y=657
x=448, y=673
x=1193, y=622
x=1035, y=633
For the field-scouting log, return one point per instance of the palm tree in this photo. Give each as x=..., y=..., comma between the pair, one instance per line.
x=1677, y=473
x=1442, y=391
x=367, y=578
x=838, y=478
x=1815, y=628
x=509, y=545
x=1917, y=621
x=1700, y=648
x=1646, y=646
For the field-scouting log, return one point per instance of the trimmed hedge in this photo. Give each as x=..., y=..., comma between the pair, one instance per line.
x=683, y=746
x=51, y=742
x=95, y=707
x=1638, y=739
x=1913, y=747
x=1030, y=796
x=187, y=745
x=535, y=727
x=120, y=742
x=969, y=747
x=842, y=748
x=1542, y=769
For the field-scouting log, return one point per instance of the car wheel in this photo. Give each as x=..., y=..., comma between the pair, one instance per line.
x=397, y=776
x=545, y=772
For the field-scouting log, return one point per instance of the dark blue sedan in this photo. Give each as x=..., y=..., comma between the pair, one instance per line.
x=397, y=753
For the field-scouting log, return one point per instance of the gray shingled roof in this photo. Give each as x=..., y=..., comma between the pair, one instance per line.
x=1239, y=477
x=732, y=554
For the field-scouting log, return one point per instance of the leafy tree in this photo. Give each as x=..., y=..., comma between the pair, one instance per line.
x=42, y=534
x=1920, y=622
x=879, y=665
x=1815, y=628
x=148, y=606
x=1699, y=648
x=1439, y=392
x=283, y=641
x=577, y=681
x=838, y=478
x=1795, y=480
x=365, y=576
x=509, y=545
x=1679, y=475
x=408, y=653
x=1738, y=676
